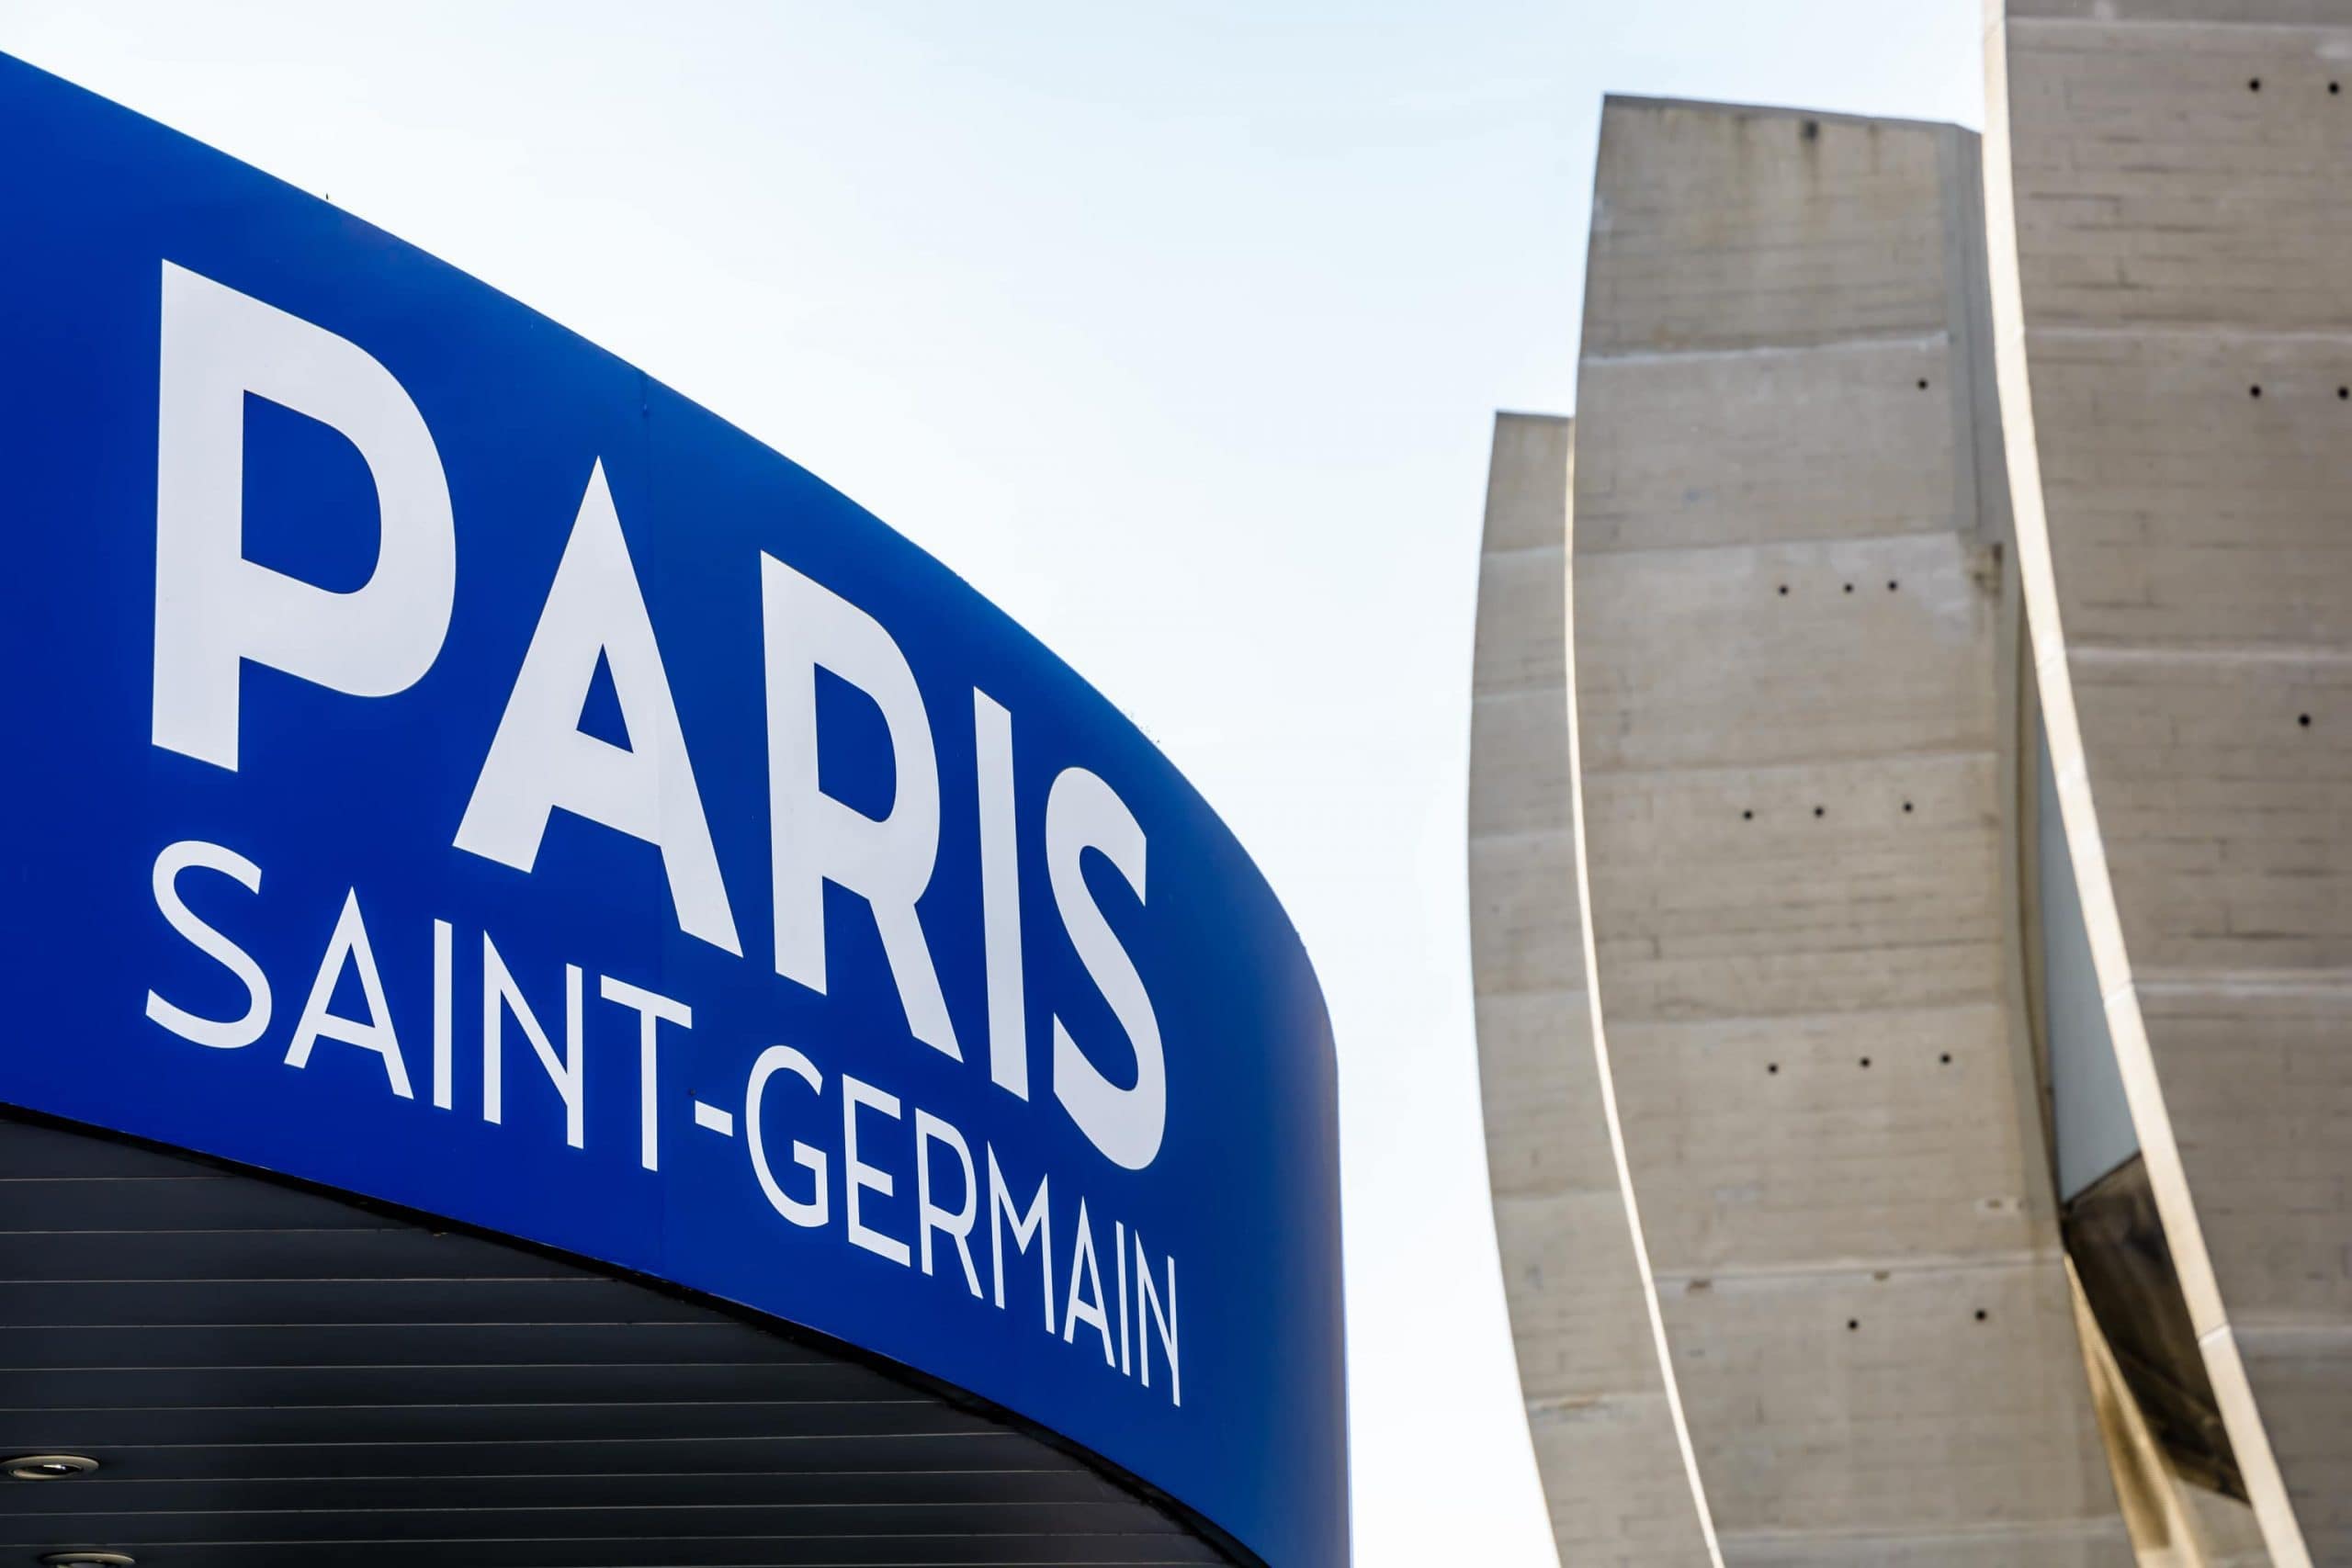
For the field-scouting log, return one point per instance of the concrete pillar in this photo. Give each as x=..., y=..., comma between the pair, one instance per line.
x=1793, y=636
x=2169, y=201
x=1604, y=1428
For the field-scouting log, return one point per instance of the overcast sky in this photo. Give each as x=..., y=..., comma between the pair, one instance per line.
x=1177, y=329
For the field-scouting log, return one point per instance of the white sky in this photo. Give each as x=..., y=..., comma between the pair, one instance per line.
x=1177, y=329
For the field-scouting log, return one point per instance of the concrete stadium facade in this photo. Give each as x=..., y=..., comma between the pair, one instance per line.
x=1908, y=940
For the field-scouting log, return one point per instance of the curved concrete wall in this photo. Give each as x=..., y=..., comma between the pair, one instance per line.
x=1613, y=1472
x=2169, y=195
x=1799, y=778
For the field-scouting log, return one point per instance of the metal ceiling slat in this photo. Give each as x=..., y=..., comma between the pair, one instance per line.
x=479, y=1384
x=915, y=1452
x=198, y=1200
x=42, y=1152
x=76, y=1429
x=706, y=1339
x=192, y=1302
x=1054, y=1550
x=288, y=1254
x=813, y=1521
x=107, y=1493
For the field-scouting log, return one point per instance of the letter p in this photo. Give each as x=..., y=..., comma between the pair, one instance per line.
x=214, y=609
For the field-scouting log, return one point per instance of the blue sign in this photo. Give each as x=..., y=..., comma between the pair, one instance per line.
x=452, y=767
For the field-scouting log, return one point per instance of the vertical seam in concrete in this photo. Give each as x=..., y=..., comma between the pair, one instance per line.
x=2283, y=1533
x=1988, y=521
x=2026, y=868
x=1608, y=1083
x=1968, y=479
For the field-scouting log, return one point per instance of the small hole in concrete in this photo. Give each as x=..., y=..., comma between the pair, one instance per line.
x=1906, y=808
x=1923, y=383
x=1981, y=1315
x=2254, y=391
x=1748, y=816
x=1866, y=1060
x=1784, y=590
x=1891, y=585
x=2253, y=85
x=1850, y=588
x=1853, y=1323
x=2304, y=719
x=1821, y=811
x=2343, y=392
x=1771, y=1066
x=1812, y=131
x=1945, y=1058
x=2334, y=88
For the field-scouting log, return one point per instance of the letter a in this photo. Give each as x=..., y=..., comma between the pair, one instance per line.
x=541, y=759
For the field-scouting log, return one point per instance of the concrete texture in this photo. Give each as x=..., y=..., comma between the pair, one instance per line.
x=2169, y=201
x=1793, y=624
x=1597, y=1406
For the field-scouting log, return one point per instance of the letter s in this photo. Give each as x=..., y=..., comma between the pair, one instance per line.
x=221, y=1035
x=1127, y=1124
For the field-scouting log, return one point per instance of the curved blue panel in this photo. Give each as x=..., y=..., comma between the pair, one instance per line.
x=450, y=766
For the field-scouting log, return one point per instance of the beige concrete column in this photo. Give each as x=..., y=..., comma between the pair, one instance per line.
x=2169, y=201
x=1614, y=1472
x=1792, y=630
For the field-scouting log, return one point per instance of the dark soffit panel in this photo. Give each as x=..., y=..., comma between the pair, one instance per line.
x=270, y=1375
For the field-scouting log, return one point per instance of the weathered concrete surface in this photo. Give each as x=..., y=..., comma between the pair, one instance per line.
x=1597, y=1402
x=1798, y=771
x=2169, y=201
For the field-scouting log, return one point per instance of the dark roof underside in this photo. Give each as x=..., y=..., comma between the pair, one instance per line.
x=269, y=1375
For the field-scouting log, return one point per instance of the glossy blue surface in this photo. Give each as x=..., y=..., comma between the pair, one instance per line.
x=337, y=796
